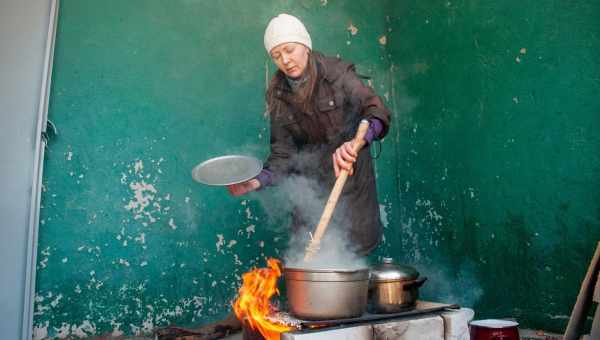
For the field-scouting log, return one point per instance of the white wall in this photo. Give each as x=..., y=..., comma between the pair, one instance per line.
x=23, y=35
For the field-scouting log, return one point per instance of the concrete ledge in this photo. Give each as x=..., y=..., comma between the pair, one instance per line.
x=363, y=332
x=422, y=328
x=530, y=334
x=456, y=324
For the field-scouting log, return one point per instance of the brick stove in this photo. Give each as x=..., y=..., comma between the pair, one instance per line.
x=427, y=321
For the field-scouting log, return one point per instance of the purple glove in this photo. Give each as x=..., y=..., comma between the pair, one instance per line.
x=375, y=129
x=265, y=178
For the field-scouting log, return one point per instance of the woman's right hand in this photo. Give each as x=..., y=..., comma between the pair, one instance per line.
x=343, y=158
x=243, y=188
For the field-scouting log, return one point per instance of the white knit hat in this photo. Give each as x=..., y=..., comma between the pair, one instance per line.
x=286, y=28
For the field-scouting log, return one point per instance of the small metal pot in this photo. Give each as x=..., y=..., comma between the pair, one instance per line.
x=394, y=288
x=326, y=294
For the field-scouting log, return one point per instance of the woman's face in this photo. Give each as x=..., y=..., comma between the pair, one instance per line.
x=291, y=58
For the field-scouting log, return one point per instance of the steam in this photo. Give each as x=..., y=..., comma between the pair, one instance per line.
x=306, y=198
x=459, y=286
x=335, y=252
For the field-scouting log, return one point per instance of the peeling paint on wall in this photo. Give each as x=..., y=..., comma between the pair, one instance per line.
x=352, y=29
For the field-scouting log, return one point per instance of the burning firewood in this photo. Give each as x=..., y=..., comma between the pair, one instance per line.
x=253, y=305
x=212, y=331
x=252, y=308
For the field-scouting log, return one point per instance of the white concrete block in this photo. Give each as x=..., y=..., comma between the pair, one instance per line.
x=456, y=324
x=363, y=332
x=421, y=328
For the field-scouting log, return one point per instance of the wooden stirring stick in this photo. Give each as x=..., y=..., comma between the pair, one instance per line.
x=313, y=246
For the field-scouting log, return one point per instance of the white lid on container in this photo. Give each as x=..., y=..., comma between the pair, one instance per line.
x=493, y=323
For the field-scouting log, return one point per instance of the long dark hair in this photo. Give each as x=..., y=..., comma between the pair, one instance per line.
x=304, y=97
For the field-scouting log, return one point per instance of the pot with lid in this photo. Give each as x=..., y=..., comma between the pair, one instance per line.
x=394, y=288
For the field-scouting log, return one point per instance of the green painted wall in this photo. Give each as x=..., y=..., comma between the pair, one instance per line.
x=486, y=181
x=498, y=151
x=142, y=92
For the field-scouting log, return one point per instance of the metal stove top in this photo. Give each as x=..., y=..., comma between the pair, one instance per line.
x=422, y=307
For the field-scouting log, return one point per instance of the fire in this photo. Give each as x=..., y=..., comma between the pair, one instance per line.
x=253, y=303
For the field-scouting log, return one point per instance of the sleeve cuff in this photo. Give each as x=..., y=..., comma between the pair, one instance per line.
x=374, y=131
x=265, y=178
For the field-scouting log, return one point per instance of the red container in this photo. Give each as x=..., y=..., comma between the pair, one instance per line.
x=494, y=330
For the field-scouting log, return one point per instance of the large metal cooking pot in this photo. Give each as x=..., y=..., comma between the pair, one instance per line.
x=326, y=294
x=394, y=288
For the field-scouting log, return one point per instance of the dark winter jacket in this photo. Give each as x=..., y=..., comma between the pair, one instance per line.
x=302, y=143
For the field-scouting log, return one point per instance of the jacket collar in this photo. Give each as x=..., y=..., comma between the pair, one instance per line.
x=330, y=68
x=282, y=88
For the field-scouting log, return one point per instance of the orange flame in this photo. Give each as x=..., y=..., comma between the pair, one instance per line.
x=252, y=305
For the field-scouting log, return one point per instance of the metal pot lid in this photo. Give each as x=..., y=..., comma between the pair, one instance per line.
x=388, y=271
x=227, y=170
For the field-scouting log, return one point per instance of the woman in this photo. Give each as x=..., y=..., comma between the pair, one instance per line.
x=315, y=105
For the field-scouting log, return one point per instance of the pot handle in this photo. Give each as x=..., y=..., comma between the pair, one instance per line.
x=416, y=283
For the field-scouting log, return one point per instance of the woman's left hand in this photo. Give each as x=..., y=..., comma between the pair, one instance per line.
x=343, y=158
x=243, y=188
